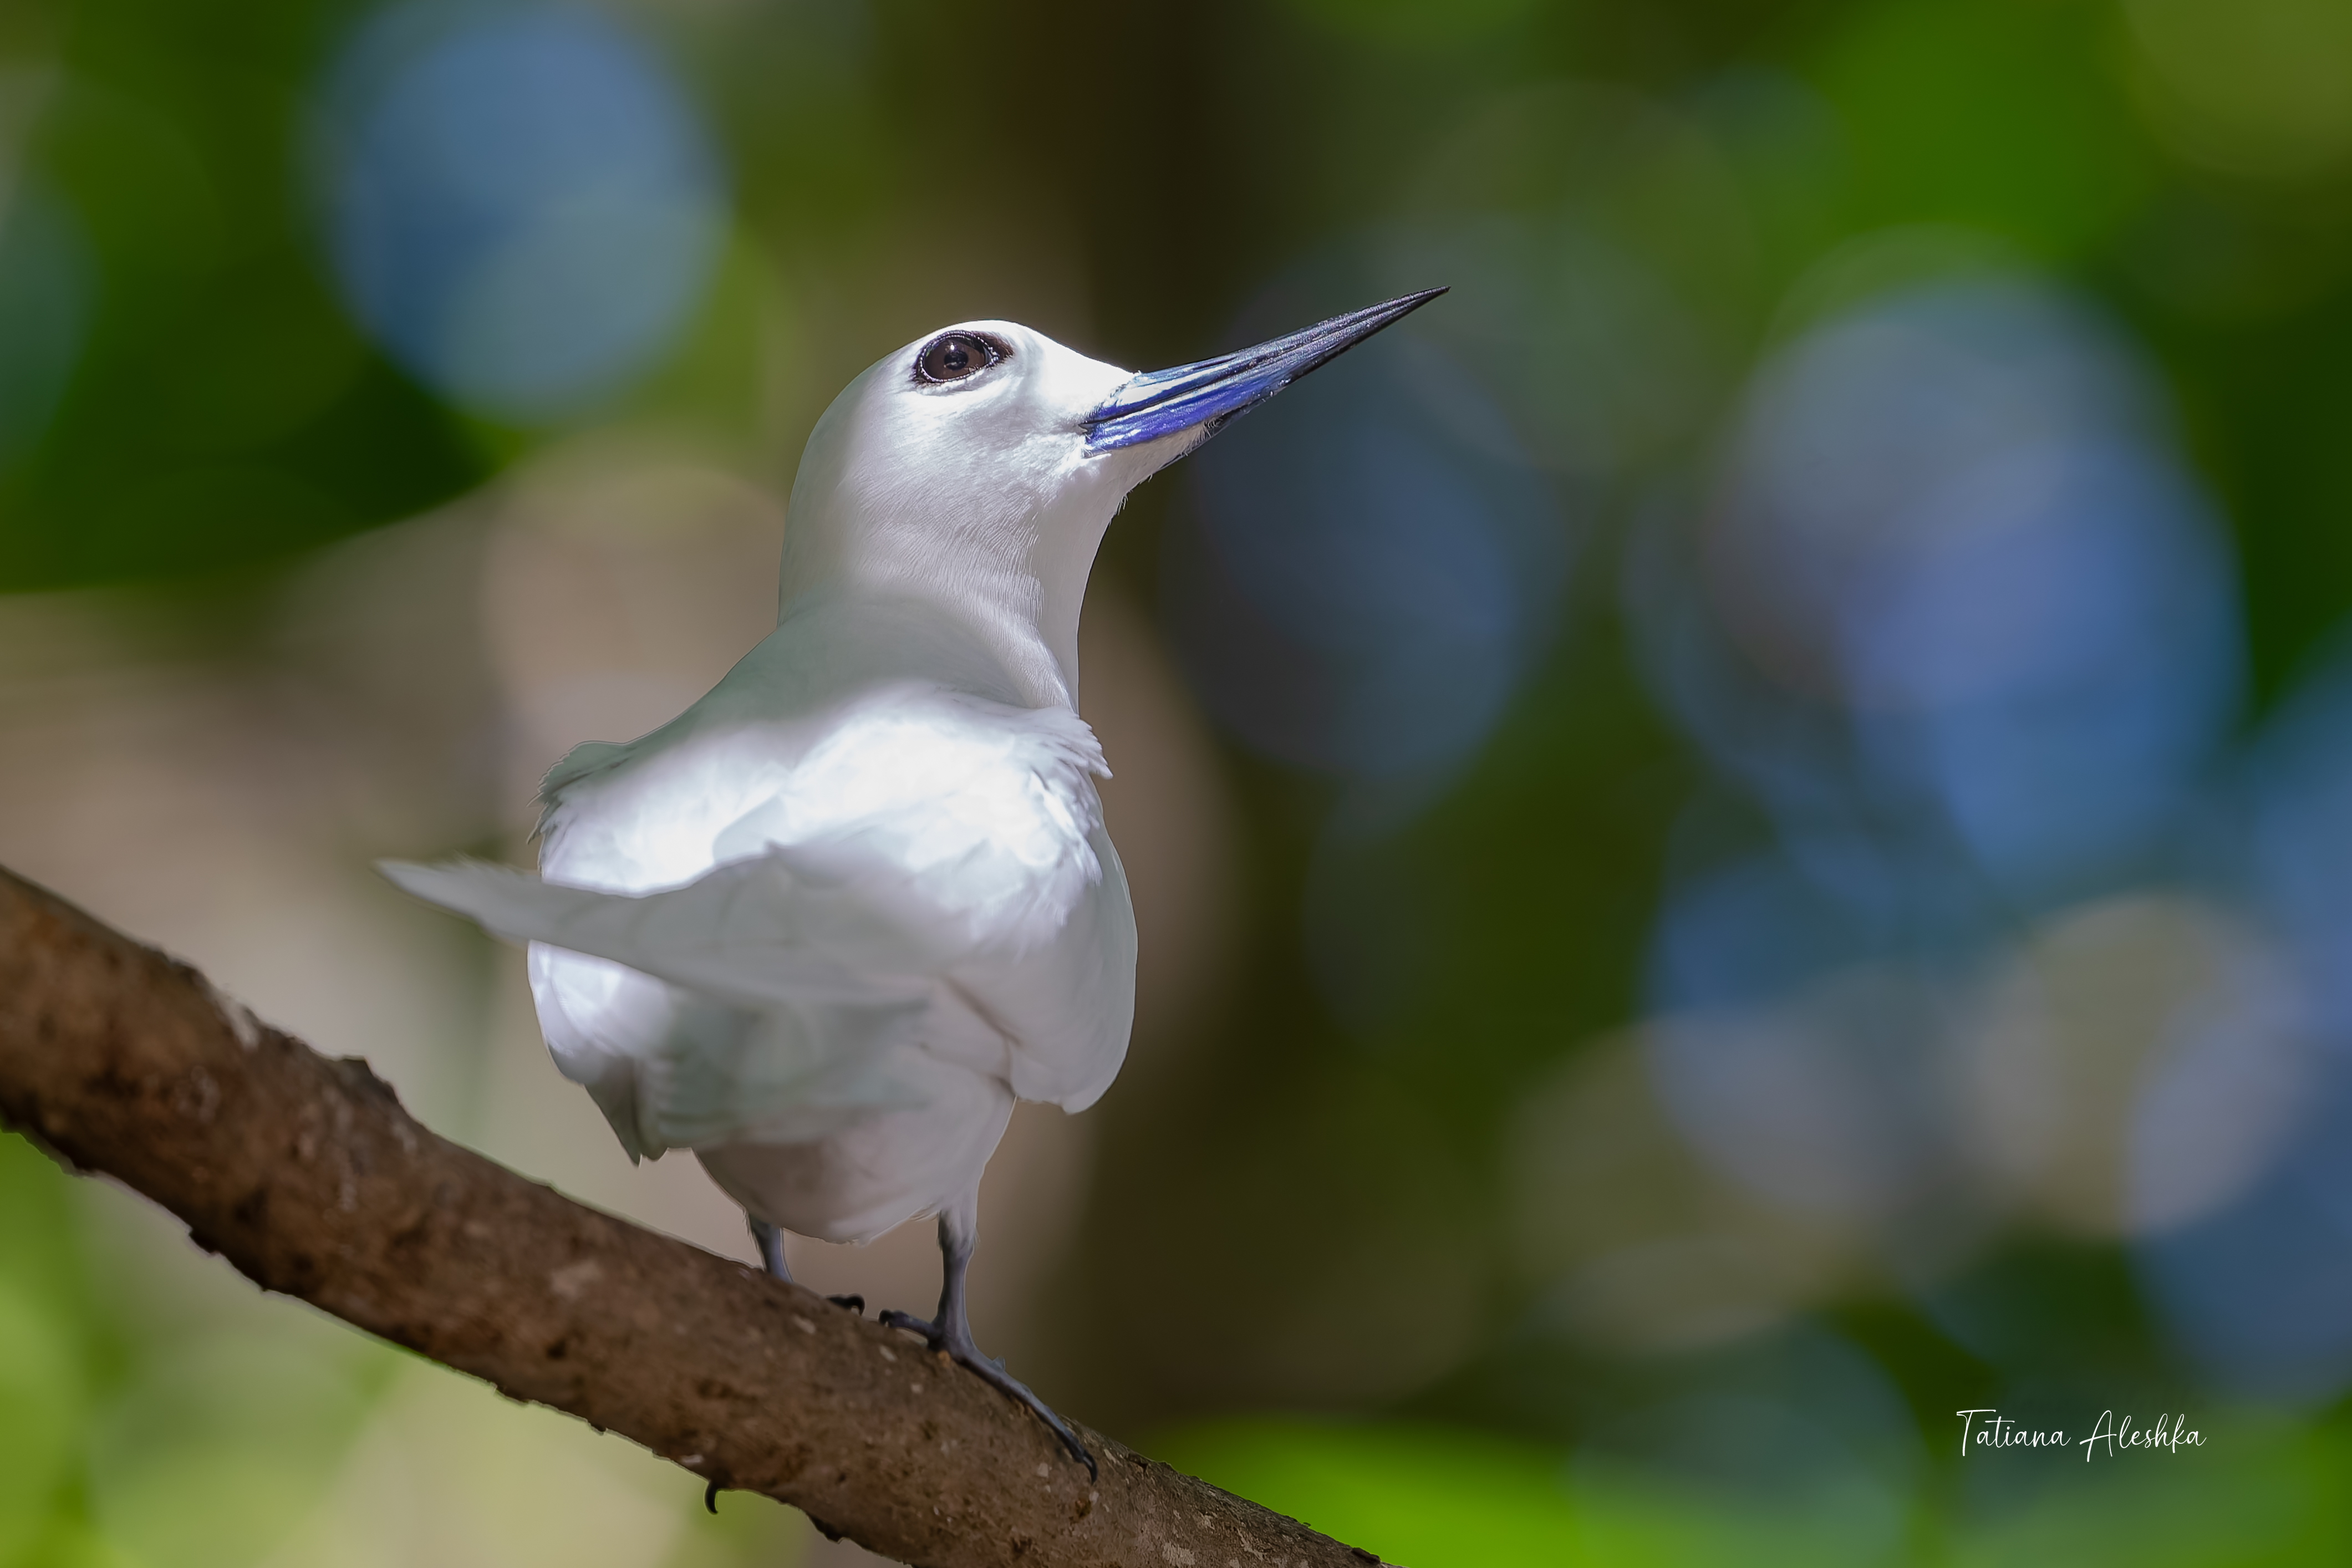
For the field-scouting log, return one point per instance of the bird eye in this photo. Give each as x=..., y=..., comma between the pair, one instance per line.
x=955, y=356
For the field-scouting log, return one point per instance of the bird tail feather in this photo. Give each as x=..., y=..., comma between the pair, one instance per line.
x=766, y=1038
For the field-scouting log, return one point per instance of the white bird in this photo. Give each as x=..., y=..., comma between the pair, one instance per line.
x=826, y=925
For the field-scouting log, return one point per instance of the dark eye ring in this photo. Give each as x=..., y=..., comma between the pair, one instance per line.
x=952, y=356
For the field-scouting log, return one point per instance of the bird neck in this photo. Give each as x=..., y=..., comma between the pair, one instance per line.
x=1014, y=587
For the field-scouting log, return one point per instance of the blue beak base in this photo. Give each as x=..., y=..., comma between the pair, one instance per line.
x=1213, y=392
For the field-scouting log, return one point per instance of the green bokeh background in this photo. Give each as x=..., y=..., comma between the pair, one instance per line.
x=1286, y=1201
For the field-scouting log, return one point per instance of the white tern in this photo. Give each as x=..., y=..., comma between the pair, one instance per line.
x=826, y=925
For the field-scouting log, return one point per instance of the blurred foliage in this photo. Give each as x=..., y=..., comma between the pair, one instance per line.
x=47, y=1364
x=1345, y=1192
x=219, y=406
x=1450, y=1497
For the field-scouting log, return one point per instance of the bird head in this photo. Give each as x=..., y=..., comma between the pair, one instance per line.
x=980, y=465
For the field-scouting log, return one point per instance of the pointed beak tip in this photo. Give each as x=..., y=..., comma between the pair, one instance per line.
x=1215, y=391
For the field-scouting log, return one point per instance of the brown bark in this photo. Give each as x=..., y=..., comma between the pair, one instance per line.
x=308, y=1176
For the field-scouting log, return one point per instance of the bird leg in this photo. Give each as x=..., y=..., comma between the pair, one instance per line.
x=772, y=1253
x=771, y=1246
x=952, y=1332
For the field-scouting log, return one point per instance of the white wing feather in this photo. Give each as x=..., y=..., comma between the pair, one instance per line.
x=744, y=931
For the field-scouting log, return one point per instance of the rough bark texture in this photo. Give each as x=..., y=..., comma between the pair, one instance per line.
x=306, y=1174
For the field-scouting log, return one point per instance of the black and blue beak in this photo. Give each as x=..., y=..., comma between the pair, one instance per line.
x=1213, y=392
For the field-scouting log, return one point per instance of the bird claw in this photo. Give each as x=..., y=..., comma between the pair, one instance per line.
x=854, y=1303
x=992, y=1372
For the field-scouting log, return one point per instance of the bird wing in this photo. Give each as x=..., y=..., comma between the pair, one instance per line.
x=885, y=892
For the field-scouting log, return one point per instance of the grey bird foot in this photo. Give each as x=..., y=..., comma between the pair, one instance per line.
x=854, y=1303
x=960, y=1350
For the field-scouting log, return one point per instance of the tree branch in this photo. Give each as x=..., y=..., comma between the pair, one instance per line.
x=308, y=1176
